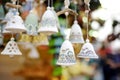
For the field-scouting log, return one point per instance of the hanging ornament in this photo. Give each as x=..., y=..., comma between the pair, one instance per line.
x=87, y=51
x=11, y=48
x=76, y=35
x=66, y=55
x=15, y=25
x=48, y=22
x=31, y=23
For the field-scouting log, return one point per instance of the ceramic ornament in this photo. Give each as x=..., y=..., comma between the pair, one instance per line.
x=48, y=23
x=15, y=24
x=31, y=23
x=11, y=49
x=76, y=35
x=87, y=51
x=66, y=55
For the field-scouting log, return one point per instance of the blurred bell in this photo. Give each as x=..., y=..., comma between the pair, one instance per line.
x=87, y=51
x=66, y=55
x=40, y=39
x=48, y=23
x=76, y=35
x=15, y=24
x=11, y=48
x=31, y=23
x=24, y=38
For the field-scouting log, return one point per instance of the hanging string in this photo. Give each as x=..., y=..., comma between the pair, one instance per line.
x=87, y=9
x=75, y=9
x=87, y=15
x=66, y=14
x=48, y=3
x=17, y=4
x=52, y=3
x=41, y=2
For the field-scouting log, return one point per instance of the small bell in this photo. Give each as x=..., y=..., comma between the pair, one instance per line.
x=87, y=51
x=66, y=55
x=31, y=23
x=11, y=49
x=76, y=35
x=48, y=23
x=15, y=24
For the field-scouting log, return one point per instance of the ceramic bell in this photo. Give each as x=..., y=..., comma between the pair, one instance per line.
x=66, y=55
x=48, y=23
x=11, y=48
x=15, y=24
x=87, y=51
x=31, y=23
x=76, y=35
x=40, y=39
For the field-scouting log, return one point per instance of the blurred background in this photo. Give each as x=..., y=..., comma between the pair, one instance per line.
x=38, y=62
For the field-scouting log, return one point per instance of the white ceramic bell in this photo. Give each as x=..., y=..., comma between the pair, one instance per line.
x=31, y=23
x=11, y=48
x=48, y=23
x=76, y=35
x=66, y=55
x=15, y=24
x=87, y=51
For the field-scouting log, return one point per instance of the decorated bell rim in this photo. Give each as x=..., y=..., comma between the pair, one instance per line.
x=65, y=64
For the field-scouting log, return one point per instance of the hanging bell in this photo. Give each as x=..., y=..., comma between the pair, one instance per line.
x=48, y=23
x=87, y=51
x=31, y=23
x=40, y=39
x=67, y=55
x=15, y=24
x=11, y=48
x=76, y=35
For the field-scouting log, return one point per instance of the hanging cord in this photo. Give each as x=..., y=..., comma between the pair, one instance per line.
x=41, y=2
x=17, y=5
x=87, y=15
x=75, y=9
x=48, y=3
x=51, y=3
